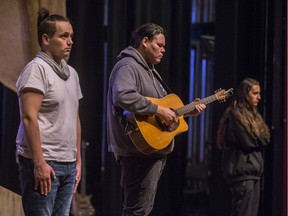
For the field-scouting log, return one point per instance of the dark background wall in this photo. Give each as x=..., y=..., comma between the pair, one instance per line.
x=249, y=41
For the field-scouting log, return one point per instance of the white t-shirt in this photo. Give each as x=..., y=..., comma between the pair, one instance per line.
x=58, y=114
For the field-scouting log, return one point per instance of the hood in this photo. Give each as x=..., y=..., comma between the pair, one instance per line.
x=133, y=53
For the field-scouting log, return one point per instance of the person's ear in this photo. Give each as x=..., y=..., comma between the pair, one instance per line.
x=45, y=39
x=145, y=41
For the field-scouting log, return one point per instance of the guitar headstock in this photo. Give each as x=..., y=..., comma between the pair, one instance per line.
x=222, y=94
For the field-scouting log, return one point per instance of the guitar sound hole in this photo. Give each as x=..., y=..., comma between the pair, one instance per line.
x=164, y=127
x=173, y=127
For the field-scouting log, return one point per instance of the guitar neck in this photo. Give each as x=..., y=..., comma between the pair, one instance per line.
x=189, y=107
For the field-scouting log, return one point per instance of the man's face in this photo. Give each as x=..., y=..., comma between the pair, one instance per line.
x=60, y=44
x=155, y=49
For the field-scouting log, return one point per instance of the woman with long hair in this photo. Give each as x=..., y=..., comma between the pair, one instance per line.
x=241, y=136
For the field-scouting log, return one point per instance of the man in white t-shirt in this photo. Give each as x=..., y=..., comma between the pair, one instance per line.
x=48, y=139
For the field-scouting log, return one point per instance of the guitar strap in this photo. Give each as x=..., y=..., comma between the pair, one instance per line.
x=168, y=90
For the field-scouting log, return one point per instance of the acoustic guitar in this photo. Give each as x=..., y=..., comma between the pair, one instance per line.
x=150, y=135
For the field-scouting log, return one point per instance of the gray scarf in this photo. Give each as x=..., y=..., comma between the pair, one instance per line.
x=63, y=72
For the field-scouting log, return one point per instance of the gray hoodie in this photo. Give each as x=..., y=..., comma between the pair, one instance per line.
x=131, y=80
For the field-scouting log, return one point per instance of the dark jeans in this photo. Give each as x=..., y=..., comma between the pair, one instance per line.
x=58, y=201
x=139, y=180
x=245, y=197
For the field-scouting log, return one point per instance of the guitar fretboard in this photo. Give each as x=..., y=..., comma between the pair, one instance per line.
x=189, y=107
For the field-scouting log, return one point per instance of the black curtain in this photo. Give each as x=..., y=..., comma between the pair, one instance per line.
x=8, y=130
x=88, y=59
x=248, y=35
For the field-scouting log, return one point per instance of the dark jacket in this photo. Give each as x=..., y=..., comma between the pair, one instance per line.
x=242, y=154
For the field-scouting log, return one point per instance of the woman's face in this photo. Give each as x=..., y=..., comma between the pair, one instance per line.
x=253, y=96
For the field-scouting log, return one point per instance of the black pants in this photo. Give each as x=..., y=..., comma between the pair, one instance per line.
x=245, y=196
x=140, y=176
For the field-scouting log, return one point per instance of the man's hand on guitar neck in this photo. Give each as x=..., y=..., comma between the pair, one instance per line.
x=199, y=108
x=166, y=115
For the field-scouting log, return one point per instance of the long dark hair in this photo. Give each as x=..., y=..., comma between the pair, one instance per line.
x=246, y=115
x=46, y=23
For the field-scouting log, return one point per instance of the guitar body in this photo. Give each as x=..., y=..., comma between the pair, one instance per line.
x=150, y=136
x=85, y=206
